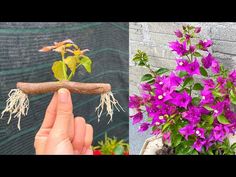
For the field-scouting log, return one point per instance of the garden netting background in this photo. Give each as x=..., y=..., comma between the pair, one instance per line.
x=21, y=61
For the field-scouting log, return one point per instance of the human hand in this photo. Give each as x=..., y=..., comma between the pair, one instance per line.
x=60, y=132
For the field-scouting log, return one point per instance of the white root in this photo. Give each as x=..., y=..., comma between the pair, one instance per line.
x=108, y=100
x=18, y=104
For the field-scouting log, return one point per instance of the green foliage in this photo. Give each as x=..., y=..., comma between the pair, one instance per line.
x=71, y=58
x=146, y=77
x=140, y=58
x=232, y=97
x=161, y=71
x=222, y=119
x=197, y=86
x=112, y=146
x=203, y=71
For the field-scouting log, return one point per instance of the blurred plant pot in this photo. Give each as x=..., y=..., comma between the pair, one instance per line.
x=155, y=146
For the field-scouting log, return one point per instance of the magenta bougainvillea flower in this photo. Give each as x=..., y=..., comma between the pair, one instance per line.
x=137, y=118
x=197, y=29
x=193, y=68
x=179, y=48
x=190, y=106
x=198, y=144
x=232, y=77
x=207, y=61
x=205, y=44
x=187, y=131
x=181, y=99
x=178, y=33
x=143, y=127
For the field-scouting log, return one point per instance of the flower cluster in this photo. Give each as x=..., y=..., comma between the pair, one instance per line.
x=192, y=105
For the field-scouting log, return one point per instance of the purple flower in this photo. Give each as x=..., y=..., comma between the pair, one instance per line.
x=137, y=118
x=187, y=36
x=187, y=131
x=218, y=133
x=143, y=127
x=207, y=61
x=208, y=84
x=215, y=67
x=146, y=87
x=181, y=64
x=193, y=68
x=180, y=49
x=221, y=81
x=218, y=108
x=178, y=33
x=166, y=137
x=181, y=99
x=193, y=115
x=156, y=132
x=232, y=77
x=205, y=44
x=174, y=80
x=207, y=97
x=198, y=144
x=200, y=132
x=192, y=48
x=146, y=97
x=135, y=101
x=197, y=29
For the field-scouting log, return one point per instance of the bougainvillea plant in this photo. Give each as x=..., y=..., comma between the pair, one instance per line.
x=111, y=146
x=72, y=58
x=192, y=106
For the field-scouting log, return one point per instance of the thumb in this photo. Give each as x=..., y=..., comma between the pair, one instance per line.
x=64, y=114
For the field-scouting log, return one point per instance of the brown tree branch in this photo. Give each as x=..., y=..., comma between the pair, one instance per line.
x=74, y=87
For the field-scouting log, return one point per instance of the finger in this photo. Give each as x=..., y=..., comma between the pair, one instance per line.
x=64, y=114
x=40, y=141
x=88, y=152
x=88, y=138
x=79, y=136
x=50, y=114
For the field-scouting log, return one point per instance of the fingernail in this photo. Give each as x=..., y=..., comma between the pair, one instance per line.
x=63, y=95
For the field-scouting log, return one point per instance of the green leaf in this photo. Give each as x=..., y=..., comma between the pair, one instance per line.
x=176, y=139
x=187, y=81
x=182, y=73
x=210, y=119
x=222, y=119
x=165, y=126
x=197, y=54
x=196, y=101
x=161, y=71
x=146, y=77
x=71, y=62
x=233, y=146
x=151, y=81
x=197, y=86
x=119, y=150
x=140, y=58
x=149, y=119
x=87, y=63
x=229, y=84
x=182, y=39
x=203, y=71
x=232, y=97
x=216, y=93
x=208, y=108
x=57, y=69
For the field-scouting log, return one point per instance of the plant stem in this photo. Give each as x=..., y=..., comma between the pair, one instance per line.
x=148, y=66
x=64, y=66
x=70, y=76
